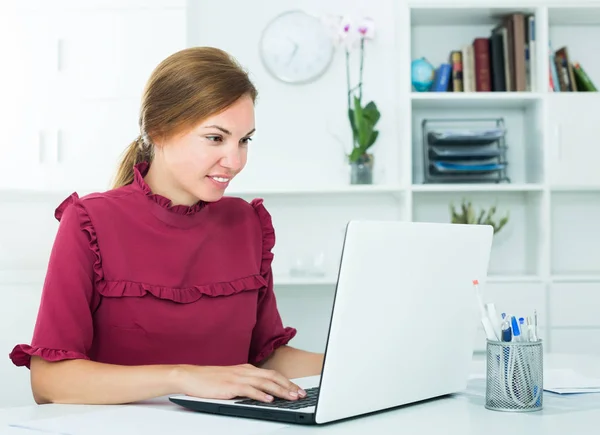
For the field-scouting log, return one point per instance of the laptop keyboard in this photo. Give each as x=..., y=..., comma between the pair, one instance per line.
x=309, y=400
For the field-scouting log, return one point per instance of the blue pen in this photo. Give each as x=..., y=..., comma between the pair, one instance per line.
x=506, y=331
x=523, y=329
x=515, y=329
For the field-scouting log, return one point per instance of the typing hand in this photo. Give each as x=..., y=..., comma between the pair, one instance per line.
x=229, y=382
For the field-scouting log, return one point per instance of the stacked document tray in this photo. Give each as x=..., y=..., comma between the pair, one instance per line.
x=455, y=153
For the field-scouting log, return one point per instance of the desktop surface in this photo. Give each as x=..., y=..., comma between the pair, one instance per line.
x=462, y=413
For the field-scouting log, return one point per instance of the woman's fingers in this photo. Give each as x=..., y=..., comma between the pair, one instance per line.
x=271, y=388
x=276, y=377
x=247, y=390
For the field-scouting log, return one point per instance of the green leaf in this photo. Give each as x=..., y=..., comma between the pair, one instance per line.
x=352, y=123
x=363, y=125
x=358, y=115
x=372, y=139
x=371, y=113
x=481, y=216
x=355, y=154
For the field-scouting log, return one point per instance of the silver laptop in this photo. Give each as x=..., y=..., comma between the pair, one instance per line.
x=402, y=326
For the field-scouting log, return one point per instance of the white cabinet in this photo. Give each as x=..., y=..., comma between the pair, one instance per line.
x=38, y=5
x=93, y=134
x=574, y=134
x=72, y=92
x=108, y=54
x=27, y=83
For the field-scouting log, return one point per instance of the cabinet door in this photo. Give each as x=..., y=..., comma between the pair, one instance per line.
x=574, y=135
x=27, y=85
x=92, y=138
x=110, y=53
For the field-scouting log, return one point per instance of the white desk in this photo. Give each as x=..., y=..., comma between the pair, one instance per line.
x=463, y=413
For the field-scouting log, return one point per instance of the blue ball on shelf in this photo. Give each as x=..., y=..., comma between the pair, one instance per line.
x=422, y=74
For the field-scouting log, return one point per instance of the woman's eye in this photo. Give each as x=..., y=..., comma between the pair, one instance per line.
x=214, y=138
x=246, y=140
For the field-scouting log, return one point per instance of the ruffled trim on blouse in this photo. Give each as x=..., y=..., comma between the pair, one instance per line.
x=86, y=225
x=183, y=295
x=268, y=235
x=139, y=171
x=22, y=353
x=117, y=289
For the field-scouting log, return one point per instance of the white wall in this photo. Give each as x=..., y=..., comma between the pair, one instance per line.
x=297, y=125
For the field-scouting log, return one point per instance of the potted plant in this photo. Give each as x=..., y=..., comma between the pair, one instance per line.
x=467, y=215
x=362, y=116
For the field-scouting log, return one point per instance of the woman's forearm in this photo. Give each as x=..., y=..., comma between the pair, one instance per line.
x=89, y=382
x=294, y=363
x=94, y=383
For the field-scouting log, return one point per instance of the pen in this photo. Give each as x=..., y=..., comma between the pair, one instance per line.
x=515, y=329
x=535, y=323
x=506, y=331
x=531, y=329
x=523, y=330
x=485, y=321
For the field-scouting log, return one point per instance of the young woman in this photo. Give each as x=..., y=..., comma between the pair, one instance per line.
x=162, y=285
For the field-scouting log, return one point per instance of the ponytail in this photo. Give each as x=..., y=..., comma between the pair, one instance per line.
x=134, y=154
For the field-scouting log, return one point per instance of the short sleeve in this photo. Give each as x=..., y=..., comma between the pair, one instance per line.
x=64, y=328
x=269, y=332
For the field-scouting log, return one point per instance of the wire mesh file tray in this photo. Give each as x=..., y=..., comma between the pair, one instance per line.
x=515, y=376
x=464, y=150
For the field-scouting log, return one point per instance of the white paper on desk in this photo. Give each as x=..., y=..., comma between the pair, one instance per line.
x=567, y=381
x=9, y=430
x=135, y=419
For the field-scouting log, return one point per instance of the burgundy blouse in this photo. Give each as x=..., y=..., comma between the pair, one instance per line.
x=133, y=280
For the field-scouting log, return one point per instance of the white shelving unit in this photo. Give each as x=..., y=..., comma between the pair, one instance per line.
x=546, y=257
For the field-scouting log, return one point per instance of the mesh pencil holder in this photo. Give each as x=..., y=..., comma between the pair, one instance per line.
x=515, y=376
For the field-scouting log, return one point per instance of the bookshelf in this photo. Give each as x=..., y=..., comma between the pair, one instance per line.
x=547, y=257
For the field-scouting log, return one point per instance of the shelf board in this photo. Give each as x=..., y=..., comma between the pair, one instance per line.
x=576, y=188
x=287, y=280
x=477, y=187
x=485, y=100
x=514, y=279
x=464, y=14
x=24, y=194
x=318, y=190
x=573, y=15
x=575, y=278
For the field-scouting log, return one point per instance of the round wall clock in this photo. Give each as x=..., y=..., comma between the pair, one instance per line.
x=296, y=47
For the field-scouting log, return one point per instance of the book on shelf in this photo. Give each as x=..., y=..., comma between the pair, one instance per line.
x=566, y=75
x=498, y=62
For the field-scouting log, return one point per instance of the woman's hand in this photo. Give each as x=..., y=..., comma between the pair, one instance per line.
x=229, y=382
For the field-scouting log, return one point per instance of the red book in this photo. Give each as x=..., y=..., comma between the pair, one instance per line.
x=483, y=75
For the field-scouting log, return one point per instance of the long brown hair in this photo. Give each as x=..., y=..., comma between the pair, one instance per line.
x=185, y=88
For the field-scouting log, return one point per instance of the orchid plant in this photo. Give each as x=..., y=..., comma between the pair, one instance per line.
x=362, y=117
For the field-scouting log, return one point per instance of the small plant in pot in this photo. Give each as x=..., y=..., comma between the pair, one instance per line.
x=362, y=116
x=467, y=215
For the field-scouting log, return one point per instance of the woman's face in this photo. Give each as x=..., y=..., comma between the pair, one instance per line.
x=200, y=163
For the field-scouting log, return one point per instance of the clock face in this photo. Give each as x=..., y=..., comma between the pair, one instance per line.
x=296, y=47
